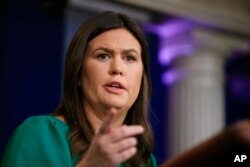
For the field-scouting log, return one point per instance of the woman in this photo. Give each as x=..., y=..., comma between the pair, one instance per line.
x=102, y=118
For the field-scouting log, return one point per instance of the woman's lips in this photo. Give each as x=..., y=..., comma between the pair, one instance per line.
x=114, y=87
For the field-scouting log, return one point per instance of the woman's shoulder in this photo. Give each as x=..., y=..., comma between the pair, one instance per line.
x=42, y=125
x=36, y=141
x=43, y=121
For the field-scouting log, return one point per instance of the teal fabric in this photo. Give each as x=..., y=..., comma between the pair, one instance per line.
x=41, y=141
x=38, y=142
x=153, y=162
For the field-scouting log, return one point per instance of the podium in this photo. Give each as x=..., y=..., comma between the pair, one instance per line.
x=231, y=147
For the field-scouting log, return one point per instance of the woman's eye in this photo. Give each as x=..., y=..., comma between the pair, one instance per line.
x=130, y=58
x=103, y=57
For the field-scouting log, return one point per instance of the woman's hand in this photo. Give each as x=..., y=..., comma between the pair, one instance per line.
x=110, y=147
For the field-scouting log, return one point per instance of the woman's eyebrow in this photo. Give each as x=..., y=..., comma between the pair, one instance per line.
x=112, y=51
x=131, y=50
x=103, y=49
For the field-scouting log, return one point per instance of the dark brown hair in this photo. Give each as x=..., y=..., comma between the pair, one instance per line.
x=81, y=132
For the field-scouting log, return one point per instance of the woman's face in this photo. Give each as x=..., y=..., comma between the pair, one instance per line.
x=112, y=70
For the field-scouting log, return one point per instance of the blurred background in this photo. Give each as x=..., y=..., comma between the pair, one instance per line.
x=200, y=63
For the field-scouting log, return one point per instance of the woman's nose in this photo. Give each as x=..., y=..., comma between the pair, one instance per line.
x=116, y=67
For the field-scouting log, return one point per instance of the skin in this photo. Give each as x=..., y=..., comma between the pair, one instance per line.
x=111, y=146
x=114, y=55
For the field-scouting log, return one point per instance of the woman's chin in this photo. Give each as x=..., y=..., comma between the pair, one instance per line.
x=117, y=105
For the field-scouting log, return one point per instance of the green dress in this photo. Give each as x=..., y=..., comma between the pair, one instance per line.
x=41, y=141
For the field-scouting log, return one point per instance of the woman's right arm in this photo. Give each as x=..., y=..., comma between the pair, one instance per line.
x=38, y=142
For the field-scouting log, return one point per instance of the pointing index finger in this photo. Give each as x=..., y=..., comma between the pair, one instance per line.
x=107, y=123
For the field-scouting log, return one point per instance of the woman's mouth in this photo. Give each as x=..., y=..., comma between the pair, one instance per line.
x=114, y=87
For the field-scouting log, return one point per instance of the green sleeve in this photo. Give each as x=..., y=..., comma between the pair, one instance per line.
x=153, y=161
x=41, y=142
